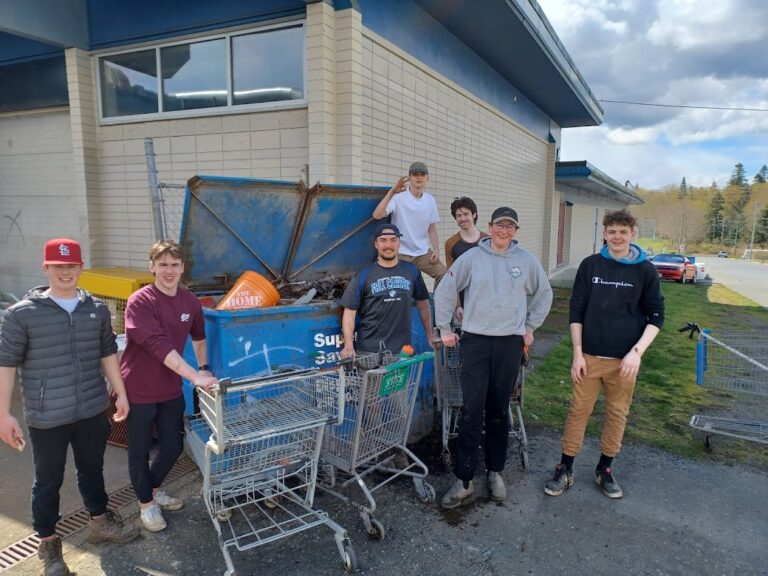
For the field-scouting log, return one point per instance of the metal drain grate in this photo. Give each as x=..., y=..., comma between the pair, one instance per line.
x=73, y=523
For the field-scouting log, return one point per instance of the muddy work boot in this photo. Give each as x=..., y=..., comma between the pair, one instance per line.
x=560, y=481
x=457, y=495
x=109, y=527
x=496, y=487
x=51, y=558
x=607, y=481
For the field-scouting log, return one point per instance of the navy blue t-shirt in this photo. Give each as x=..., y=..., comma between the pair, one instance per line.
x=383, y=298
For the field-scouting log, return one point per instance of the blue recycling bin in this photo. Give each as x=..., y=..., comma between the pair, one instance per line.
x=294, y=236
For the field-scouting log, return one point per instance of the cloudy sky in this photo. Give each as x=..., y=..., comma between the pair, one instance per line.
x=684, y=52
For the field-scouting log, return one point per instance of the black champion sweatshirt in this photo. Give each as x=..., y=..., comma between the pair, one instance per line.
x=614, y=301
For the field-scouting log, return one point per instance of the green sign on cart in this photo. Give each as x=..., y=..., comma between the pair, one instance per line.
x=394, y=381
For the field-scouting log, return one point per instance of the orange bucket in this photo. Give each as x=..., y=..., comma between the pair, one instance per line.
x=251, y=290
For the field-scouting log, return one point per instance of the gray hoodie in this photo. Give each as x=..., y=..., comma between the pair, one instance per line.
x=503, y=293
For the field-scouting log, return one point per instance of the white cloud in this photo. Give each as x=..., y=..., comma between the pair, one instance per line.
x=682, y=52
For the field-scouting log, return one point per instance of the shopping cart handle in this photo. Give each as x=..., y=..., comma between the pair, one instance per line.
x=223, y=384
x=690, y=327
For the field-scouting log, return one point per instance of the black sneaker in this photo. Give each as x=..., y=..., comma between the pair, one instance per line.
x=560, y=481
x=607, y=481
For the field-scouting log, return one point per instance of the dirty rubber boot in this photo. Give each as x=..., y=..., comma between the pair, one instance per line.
x=109, y=527
x=496, y=487
x=51, y=558
x=458, y=495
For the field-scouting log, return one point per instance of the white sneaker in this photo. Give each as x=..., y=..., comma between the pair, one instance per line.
x=496, y=487
x=152, y=518
x=167, y=502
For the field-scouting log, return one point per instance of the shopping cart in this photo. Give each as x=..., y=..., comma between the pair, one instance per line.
x=257, y=442
x=449, y=401
x=380, y=395
x=734, y=361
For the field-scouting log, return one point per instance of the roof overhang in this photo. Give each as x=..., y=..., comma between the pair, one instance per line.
x=516, y=39
x=582, y=183
x=59, y=24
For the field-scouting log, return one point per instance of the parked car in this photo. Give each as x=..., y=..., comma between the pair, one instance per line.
x=722, y=254
x=674, y=267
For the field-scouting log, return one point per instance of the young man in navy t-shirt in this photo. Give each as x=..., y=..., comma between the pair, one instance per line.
x=379, y=298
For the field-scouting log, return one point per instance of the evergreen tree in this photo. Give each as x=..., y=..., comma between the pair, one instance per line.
x=761, y=228
x=738, y=176
x=683, y=191
x=715, y=217
x=762, y=176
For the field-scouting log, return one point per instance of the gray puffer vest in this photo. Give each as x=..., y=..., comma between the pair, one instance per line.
x=59, y=357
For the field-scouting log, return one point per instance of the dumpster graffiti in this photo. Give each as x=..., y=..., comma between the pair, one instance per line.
x=264, y=352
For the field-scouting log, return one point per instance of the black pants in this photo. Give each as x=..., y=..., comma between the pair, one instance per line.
x=168, y=417
x=49, y=450
x=488, y=373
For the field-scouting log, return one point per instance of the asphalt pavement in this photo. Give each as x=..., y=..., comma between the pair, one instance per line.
x=678, y=517
x=749, y=279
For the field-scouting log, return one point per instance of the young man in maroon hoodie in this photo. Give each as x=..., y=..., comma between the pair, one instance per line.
x=158, y=320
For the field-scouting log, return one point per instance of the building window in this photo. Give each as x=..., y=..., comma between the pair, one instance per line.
x=194, y=75
x=251, y=69
x=129, y=83
x=268, y=66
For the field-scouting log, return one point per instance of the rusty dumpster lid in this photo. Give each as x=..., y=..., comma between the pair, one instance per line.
x=283, y=230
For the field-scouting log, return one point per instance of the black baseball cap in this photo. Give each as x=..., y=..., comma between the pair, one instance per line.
x=387, y=229
x=504, y=213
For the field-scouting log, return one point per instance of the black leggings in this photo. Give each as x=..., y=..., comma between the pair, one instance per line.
x=168, y=418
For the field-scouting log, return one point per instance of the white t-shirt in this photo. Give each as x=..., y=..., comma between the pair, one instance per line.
x=413, y=216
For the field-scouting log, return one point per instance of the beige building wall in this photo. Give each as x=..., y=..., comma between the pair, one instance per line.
x=411, y=113
x=37, y=194
x=582, y=239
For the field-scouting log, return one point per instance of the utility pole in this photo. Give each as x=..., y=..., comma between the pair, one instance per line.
x=752, y=240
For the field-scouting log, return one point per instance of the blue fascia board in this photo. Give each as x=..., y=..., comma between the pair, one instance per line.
x=112, y=24
x=409, y=27
x=62, y=24
x=15, y=49
x=571, y=172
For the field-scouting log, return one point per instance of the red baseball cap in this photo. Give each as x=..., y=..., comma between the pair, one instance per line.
x=62, y=251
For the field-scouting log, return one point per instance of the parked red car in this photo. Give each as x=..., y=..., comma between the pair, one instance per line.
x=674, y=267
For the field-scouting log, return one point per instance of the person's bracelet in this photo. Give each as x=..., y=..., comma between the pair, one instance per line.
x=206, y=368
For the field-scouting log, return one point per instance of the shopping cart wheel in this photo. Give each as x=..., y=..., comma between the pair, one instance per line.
x=524, y=458
x=708, y=444
x=350, y=558
x=375, y=529
x=425, y=490
x=447, y=461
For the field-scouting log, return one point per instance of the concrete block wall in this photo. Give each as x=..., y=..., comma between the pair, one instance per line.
x=256, y=145
x=37, y=194
x=411, y=113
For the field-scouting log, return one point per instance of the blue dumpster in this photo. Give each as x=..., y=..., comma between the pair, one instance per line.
x=299, y=238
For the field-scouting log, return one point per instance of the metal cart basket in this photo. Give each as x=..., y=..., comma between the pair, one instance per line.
x=734, y=361
x=257, y=442
x=380, y=396
x=450, y=402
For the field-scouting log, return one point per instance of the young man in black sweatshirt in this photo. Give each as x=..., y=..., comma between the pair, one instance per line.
x=616, y=312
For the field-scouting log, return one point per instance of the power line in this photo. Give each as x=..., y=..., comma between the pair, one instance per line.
x=732, y=108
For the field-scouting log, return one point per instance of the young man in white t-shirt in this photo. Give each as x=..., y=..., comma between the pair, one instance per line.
x=414, y=212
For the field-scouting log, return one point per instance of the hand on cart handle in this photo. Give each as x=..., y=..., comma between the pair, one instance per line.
x=690, y=327
x=205, y=380
x=450, y=339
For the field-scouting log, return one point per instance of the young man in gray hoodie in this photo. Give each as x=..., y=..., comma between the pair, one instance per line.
x=506, y=297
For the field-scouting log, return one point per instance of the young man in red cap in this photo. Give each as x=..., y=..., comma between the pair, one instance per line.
x=62, y=339
x=158, y=320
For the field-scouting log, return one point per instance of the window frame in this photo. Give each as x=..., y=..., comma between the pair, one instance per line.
x=230, y=108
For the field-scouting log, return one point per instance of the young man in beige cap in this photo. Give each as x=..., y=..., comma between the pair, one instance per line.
x=62, y=339
x=414, y=212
